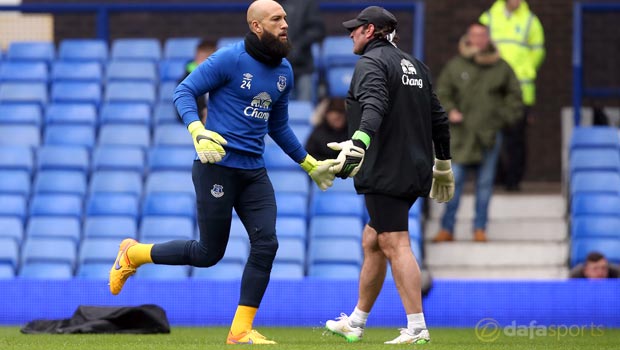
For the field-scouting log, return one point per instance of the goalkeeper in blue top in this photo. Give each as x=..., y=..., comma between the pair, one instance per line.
x=248, y=85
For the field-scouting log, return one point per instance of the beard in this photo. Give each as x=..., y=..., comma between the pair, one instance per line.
x=274, y=46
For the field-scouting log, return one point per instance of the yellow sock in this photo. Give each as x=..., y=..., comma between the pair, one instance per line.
x=244, y=317
x=140, y=254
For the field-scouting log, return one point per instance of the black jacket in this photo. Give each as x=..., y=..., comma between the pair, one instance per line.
x=391, y=98
x=305, y=27
x=320, y=137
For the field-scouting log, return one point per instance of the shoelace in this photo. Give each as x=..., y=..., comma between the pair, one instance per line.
x=257, y=335
x=344, y=317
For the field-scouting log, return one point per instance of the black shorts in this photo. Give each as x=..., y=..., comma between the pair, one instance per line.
x=387, y=213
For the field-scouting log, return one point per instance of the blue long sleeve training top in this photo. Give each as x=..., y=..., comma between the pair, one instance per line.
x=247, y=100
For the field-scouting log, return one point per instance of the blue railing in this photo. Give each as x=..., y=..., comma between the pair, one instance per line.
x=579, y=91
x=103, y=12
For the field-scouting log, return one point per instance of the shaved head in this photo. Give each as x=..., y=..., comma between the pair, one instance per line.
x=261, y=9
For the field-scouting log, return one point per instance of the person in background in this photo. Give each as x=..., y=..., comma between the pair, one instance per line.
x=481, y=94
x=331, y=127
x=205, y=48
x=306, y=27
x=520, y=40
x=596, y=266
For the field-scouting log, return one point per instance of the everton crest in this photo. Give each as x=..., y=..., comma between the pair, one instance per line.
x=217, y=191
x=281, y=83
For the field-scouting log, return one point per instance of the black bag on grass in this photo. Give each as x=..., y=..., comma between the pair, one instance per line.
x=143, y=319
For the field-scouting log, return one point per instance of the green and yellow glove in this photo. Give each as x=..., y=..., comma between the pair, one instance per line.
x=351, y=156
x=442, y=188
x=320, y=171
x=208, y=144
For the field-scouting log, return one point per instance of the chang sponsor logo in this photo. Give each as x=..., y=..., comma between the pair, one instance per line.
x=409, y=69
x=259, y=107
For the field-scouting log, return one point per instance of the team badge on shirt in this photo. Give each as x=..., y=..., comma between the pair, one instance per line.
x=281, y=83
x=217, y=191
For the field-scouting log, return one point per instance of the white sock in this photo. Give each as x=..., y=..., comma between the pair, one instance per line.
x=358, y=318
x=416, y=321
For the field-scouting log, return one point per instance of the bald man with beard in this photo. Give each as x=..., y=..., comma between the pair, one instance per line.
x=249, y=85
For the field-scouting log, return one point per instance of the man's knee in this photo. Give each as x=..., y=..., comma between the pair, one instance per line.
x=263, y=251
x=392, y=243
x=203, y=257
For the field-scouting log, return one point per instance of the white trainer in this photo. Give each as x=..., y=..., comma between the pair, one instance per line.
x=342, y=327
x=418, y=336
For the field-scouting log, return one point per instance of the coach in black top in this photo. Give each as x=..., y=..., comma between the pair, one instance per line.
x=394, y=118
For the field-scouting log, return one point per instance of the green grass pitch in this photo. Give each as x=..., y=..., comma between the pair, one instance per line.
x=303, y=338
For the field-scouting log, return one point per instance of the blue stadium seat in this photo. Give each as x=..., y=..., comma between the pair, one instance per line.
x=416, y=249
x=300, y=112
x=54, y=227
x=71, y=113
x=46, y=271
x=415, y=229
x=49, y=250
x=76, y=92
x=20, y=135
x=595, y=137
x=294, y=227
x=83, y=50
x=179, y=182
x=172, y=69
x=596, y=182
x=162, y=158
x=291, y=250
x=130, y=92
x=237, y=251
x=125, y=135
x=94, y=271
x=35, y=72
x=122, y=182
x=21, y=113
x=276, y=159
x=337, y=203
x=158, y=226
x=416, y=209
x=119, y=227
x=292, y=204
x=70, y=135
x=610, y=247
x=338, y=81
x=126, y=113
x=9, y=252
x=165, y=113
x=237, y=230
x=595, y=227
x=15, y=182
x=594, y=160
x=166, y=91
x=590, y=204
x=334, y=271
x=68, y=158
x=302, y=132
x=60, y=182
x=112, y=204
x=14, y=157
x=287, y=271
x=118, y=158
x=338, y=51
x=11, y=227
x=340, y=185
x=172, y=135
x=336, y=227
x=330, y=251
x=229, y=40
x=12, y=205
x=291, y=181
x=6, y=272
x=56, y=205
x=136, y=49
x=163, y=272
x=181, y=48
x=31, y=51
x=98, y=251
x=24, y=93
x=222, y=271
x=169, y=204
x=67, y=71
x=134, y=71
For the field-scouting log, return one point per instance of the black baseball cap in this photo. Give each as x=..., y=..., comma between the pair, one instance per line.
x=376, y=15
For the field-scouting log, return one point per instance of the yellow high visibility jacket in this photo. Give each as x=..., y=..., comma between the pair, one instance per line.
x=520, y=40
